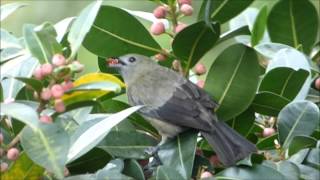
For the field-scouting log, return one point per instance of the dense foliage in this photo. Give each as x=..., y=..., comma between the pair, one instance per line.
x=265, y=77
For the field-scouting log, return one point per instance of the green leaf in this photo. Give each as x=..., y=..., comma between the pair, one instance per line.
x=301, y=142
x=250, y=173
x=233, y=79
x=313, y=158
x=90, y=162
x=7, y=9
x=21, y=112
x=35, y=84
x=194, y=41
x=23, y=167
x=299, y=157
x=286, y=168
x=47, y=146
x=297, y=118
x=179, y=153
x=259, y=26
x=133, y=169
x=244, y=30
x=166, y=173
x=224, y=10
x=251, y=160
x=82, y=177
x=287, y=24
x=97, y=86
x=308, y=172
x=127, y=144
x=41, y=41
x=269, y=103
x=267, y=143
x=82, y=25
x=86, y=138
x=108, y=35
x=243, y=122
x=284, y=81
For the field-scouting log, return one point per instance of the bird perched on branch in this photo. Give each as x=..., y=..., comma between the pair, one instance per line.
x=173, y=104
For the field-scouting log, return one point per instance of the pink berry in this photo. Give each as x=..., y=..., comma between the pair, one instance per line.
x=186, y=9
x=3, y=166
x=67, y=85
x=185, y=2
x=200, y=69
x=317, y=83
x=46, y=119
x=268, y=132
x=57, y=91
x=200, y=83
x=37, y=73
x=180, y=27
x=160, y=57
x=13, y=154
x=206, y=174
x=59, y=106
x=58, y=60
x=157, y=28
x=46, y=94
x=66, y=172
x=46, y=69
x=160, y=12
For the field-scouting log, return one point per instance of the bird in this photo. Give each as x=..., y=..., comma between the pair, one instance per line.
x=173, y=104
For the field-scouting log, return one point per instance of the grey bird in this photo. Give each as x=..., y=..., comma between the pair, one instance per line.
x=173, y=104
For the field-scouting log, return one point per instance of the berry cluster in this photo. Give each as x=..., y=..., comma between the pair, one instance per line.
x=12, y=154
x=57, y=76
x=171, y=12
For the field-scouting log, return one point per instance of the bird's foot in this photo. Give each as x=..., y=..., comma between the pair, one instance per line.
x=150, y=167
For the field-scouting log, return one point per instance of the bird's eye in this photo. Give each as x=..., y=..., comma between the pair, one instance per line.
x=132, y=59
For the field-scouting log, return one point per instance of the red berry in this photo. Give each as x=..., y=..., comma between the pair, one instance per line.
x=46, y=69
x=160, y=12
x=206, y=174
x=57, y=91
x=3, y=167
x=317, y=83
x=157, y=28
x=268, y=132
x=46, y=119
x=37, y=73
x=13, y=154
x=186, y=9
x=200, y=69
x=160, y=57
x=58, y=60
x=46, y=94
x=185, y=2
x=180, y=27
x=200, y=83
x=67, y=85
x=59, y=106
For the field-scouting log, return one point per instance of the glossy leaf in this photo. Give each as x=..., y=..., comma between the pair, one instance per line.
x=287, y=24
x=33, y=83
x=62, y=28
x=21, y=112
x=97, y=86
x=297, y=118
x=267, y=143
x=243, y=123
x=127, y=145
x=23, y=167
x=301, y=142
x=166, y=173
x=224, y=10
x=250, y=173
x=286, y=168
x=233, y=79
x=251, y=160
x=7, y=9
x=269, y=50
x=308, y=172
x=47, y=146
x=86, y=139
x=300, y=156
x=133, y=169
x=269, y=103
x=179, y=153
x=82, y=25
x=313, y=158
x=108, y=35
x=259, y=26
x=244, y=30
x=194, y=41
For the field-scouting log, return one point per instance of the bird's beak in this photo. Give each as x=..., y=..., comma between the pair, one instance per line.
x=114, y=62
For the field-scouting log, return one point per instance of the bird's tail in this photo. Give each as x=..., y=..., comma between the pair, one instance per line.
x=229, y=145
